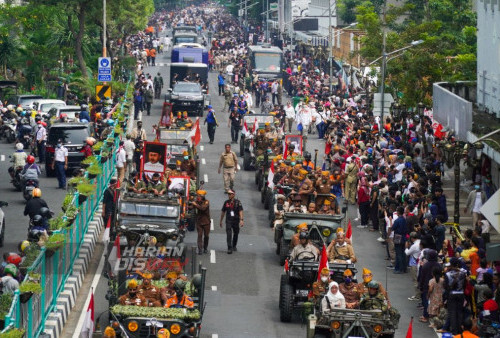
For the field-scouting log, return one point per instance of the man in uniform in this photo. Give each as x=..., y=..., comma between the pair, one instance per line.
x=138, y=133
x=168, y=291
x=297, y=205
x=202, y=220
x=134, y=184
x=149, y=291
x=188, y=165
x=339, y=251
x=323, y=187
x=306, y=187
x=350, y=290
x=158, y=84
x=373, y=299
x=229, y=162
x=155, y=186
x=179, y=299
x=295, y=240
x=367, y=278
x=279, y=210
x=320, y=287
x=326, y=208
x=133, y=297
x=351, y=182
x=304, y=249
x=233, y=210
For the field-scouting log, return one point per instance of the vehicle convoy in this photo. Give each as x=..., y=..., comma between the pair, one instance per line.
x=266, y=61
x=183, y=29
x=248, y=146
x=187, y=96
x=189, y=53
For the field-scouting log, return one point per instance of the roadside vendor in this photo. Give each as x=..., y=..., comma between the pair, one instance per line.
x=149, y=291
x=133, y=297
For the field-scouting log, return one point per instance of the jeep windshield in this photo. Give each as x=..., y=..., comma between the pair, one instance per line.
x=187, y=88
x=68, y=135
x=148, y=210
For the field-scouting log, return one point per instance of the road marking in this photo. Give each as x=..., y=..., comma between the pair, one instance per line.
x=215, y=335
x=211, y=224
x=212, y=256
x=202, y=148
x=238, y=166
x=202, y=161
x=2, y=158
x=214, y=287
x=205, y=178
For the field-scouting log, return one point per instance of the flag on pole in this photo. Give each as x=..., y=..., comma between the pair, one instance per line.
x=255, y=126
x=245, y=128
x=194, y=136
x=323, y=261
x=270, y=176
x=88, y=324
x=409, y=333
x=115, y=254
x=348, y=233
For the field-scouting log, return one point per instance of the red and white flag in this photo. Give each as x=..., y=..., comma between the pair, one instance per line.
x=194, y=136
x=245, y=128
x=348, y=233
x=115, y=255
x=409, y=333
x=270, y=176
x=88, y=324
x=255, y=126
x=285, y=150
x=323, y=261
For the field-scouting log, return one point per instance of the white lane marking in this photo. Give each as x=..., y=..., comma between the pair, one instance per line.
x=2, y=158
x=238, y=166
x=214, y=287
x=205, y=178
x=202, y=161
x=212, y=256
x=211, y=224
x=215, y=335
x=202, y=148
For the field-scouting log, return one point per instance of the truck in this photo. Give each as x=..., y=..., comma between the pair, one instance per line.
x=266, y=61
x=187, y=96
x=180, y=71
x=185, y=37
x=189, y=53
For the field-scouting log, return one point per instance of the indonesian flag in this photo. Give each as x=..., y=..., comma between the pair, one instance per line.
x=115, y=255
x=195, y=133
x=348, y=233
x=270, y=176
x=285, y=151
x=255, y=126
x=323, y=261
x=88, y=324
x=245, y=128
x=438, y=130
x=409, y=333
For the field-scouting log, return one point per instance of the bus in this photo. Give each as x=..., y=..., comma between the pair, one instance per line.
x=266, y=61
x=188, y=52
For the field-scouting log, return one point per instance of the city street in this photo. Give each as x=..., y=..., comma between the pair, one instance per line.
x=242, y=289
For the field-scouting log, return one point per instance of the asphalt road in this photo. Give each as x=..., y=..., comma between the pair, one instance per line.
x=242, y=289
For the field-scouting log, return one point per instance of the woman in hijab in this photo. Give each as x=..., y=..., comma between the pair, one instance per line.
x=333, y=299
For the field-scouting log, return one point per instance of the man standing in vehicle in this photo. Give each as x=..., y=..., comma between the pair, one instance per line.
x=233, y=210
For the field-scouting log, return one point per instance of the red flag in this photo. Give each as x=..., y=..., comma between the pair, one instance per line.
x=286, y=265
x=285, y=151
x=255, y=126
x=323, y=261
x=194, y=136
x=409, y=333
x=88, y=324
x=348, y=233
x=245, y=128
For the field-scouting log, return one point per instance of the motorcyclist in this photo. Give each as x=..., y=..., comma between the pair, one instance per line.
x=84, y=115
x=23, y=127
x=19, y=159
x=31, y=171
x=37, y=228
x=35, y=204
x=11, y=113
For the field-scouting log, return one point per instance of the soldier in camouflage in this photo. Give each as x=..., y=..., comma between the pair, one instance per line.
x=375, y=300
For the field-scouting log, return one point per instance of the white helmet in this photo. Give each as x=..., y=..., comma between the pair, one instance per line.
x=19, y=109
x=4, y=110
x=19, y=146
x=10, y=107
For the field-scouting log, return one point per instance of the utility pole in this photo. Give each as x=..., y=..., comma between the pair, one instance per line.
x=267, y=20
x=330, y=44
x=384, y=64
x=104, y=33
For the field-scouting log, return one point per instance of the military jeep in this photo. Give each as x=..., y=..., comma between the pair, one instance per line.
x=247, y=148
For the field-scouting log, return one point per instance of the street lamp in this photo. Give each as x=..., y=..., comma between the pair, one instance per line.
x=452, y=153
x=384, y=65
x=421, y=110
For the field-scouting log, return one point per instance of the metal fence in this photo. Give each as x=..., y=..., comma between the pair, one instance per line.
x=55, y=269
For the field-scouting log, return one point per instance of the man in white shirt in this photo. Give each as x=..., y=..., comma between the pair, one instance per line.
x=413, y=252
x=290, y=115
x=41, y=139
x=129, y=147
x=475, y=201
x=121, y=160
x=274, y=91
x=60, y=163
x=399, y=168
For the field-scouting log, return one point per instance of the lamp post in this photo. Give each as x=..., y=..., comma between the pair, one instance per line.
x=421, y=109
x=453, y=152
x=404, y=115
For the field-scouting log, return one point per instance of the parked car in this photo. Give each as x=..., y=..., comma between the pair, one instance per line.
x=43, y=106
x=73, y=135
x=70, y=111
x=25, y=101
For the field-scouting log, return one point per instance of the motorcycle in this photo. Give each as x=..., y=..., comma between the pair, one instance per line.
x=25, y=136
x=17, y=181
x=29, y=185
x=8, y=130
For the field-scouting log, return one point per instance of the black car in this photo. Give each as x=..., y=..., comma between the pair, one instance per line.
x=73, y=136
x=187, y=96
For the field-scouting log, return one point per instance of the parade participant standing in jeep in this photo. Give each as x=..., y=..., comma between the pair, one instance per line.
x=133, y=297
x=320, y=287
x=149, y=291
x=339, y=251
x=233, y=210
x=202, y=220
x=305, y=185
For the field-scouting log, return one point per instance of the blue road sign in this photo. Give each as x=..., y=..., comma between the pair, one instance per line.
x=104, y=77
x=104, y=69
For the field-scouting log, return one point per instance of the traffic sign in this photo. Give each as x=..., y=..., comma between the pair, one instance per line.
x=273, y=6
x=104, y=69
x=102, y=92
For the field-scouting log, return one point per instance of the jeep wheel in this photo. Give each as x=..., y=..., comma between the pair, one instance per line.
x=263, y=195
x=246, y=161
x=283, y=251
x=284, y=280
x=242, y=147
x=320, y=335
x=267, y=199
x=286, y=304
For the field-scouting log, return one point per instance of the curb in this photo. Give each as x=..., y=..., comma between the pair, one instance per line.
x=66, y=301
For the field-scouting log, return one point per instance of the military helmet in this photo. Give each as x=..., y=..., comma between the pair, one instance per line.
x=196, y=280
x=179, y=285
x=373, y=285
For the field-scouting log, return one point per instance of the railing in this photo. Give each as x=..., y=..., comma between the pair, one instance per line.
x=55, y=269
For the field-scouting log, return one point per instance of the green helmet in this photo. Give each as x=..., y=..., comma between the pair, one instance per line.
x=197, y=280
x=180, y=284
x=10, y=269
x=373, y=285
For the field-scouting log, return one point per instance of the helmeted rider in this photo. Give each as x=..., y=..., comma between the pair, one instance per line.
x=87, y=149
x=31, y=171
x=84, y=115
x=35, y=204
x=19, y=159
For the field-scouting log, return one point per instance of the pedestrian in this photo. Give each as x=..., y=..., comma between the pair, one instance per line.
x=138, y=133
x=109, y=205
x=149, y=95
x=364, y=202
x=413, y=252
x=152, y=53
x=454, y=286
x=475, y=201
x=235, y=123
x=435, y=293
x=138, y=101
x=202, y=220
x=229, y=163
x=158, y=84
x=399, y=228
x=425, y=275
x=351, y=181
x=221, y=81
x=233, y=210
x=60, y=163
x=121, y=161
x=274, y=91
x=211, y=122
x=374, y=195
x=41, y=140
x=290, y=115
x=129, y=147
